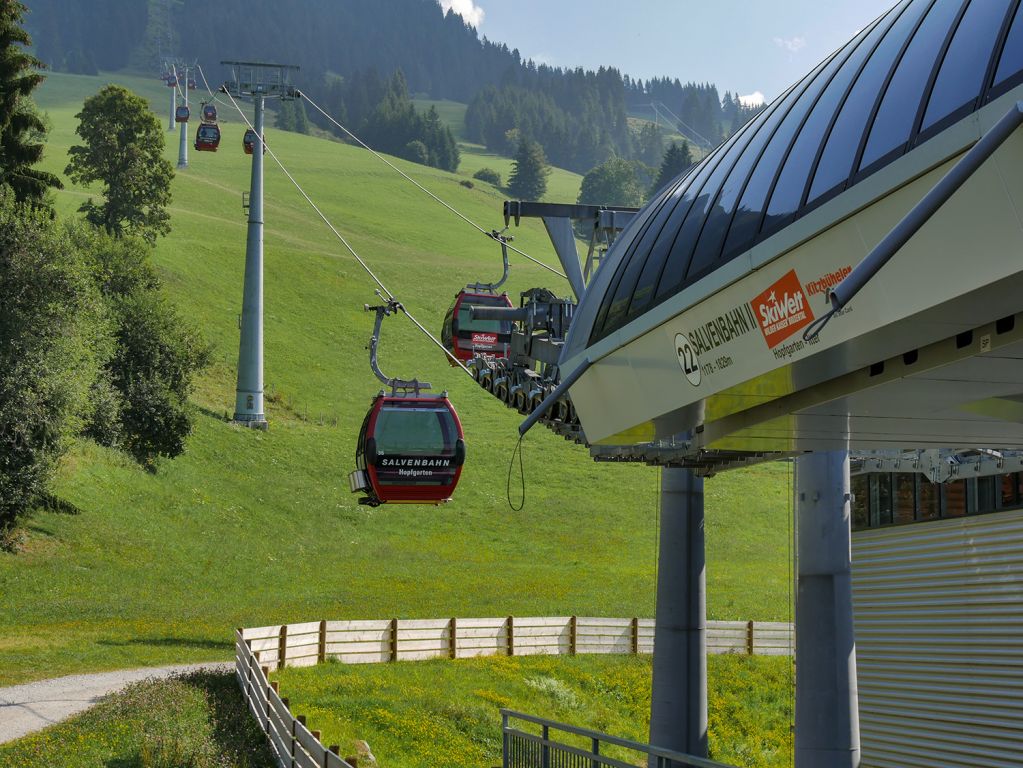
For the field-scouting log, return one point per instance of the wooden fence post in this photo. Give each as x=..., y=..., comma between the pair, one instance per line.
x=248, y=669
x=635, y=635
x=321, y=653
x=282, y=646
x=453, y=638
x=294, y=738
x=749, y=638
x=511, y=635
x=573, y=634
x=394, y=639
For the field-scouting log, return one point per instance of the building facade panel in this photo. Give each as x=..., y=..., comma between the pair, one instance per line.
x=939, y=631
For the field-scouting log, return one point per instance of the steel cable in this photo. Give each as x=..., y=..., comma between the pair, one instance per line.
x=383, y=289
x=447, y=205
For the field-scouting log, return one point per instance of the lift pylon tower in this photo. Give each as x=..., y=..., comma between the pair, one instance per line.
x=183, y=134
x=259, y=82
x=172, y=66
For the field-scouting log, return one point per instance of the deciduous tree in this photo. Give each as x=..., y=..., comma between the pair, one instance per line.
x=613, y=182
x=53, y=340
x=123, y=151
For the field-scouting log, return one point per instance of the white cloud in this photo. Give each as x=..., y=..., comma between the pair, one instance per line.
x=791, y=44
x=754, y=99
x=467, y=9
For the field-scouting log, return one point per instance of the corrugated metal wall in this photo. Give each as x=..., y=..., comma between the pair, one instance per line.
x=939, y=633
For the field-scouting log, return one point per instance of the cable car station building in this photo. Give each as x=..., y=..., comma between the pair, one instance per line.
x=721, y=328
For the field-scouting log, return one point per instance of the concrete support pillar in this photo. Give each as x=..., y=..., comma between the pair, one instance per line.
x=249, y=395
x=183, y=136
x=171, y=124
x=827, y=707
x=678, y=708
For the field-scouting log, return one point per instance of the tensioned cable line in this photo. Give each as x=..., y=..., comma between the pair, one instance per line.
x=177, y=83
x=383, y=289
x=447, y=205
x=209, y=90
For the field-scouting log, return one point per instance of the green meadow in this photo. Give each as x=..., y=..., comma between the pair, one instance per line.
x=251, y=528
x=441, y=712
x=415, y=714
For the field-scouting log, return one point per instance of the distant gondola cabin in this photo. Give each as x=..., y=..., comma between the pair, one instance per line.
x=207, y=137
x=181, y=114
x=249, y=141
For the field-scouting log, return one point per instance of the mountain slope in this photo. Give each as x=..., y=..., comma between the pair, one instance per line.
x=251, y=528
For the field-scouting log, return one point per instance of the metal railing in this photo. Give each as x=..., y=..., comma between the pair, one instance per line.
x=523, y=749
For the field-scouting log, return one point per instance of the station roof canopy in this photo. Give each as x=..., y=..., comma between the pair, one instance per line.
x=918, y=69
x=695, y=328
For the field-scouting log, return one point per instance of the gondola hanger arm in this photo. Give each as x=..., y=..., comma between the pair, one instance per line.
x=385, y=310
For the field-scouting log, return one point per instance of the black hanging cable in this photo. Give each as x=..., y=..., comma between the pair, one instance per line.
x=657, y=530
x=522, y=476
x=790, y=538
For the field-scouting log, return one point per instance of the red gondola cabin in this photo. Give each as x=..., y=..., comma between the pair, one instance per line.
x=209, y=113
x=249, y=141
x=181, y=114
x=411, y=450
x=207, y=137
x=465, y=337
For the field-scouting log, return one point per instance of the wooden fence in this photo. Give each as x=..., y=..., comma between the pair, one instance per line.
x=371, y=642
x=294, y=745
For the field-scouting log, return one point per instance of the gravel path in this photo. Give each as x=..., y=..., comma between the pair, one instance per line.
x=33, y=706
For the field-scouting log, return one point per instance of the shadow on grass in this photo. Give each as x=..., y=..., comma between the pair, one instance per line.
x=235, y=731
x=175, y=730
x=171, y=642
x=217, y=415
x=51, y=503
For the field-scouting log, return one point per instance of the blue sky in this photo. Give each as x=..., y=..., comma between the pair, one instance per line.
x=745, y=47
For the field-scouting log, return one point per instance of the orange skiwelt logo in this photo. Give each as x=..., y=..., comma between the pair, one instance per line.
x=782, y=309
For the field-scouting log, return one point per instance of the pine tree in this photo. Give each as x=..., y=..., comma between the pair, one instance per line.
x=285, y=119
x=21, y=127
x=676, y=160
x=529, y=172
x=301, y=118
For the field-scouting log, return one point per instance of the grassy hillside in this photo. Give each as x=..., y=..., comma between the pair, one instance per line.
x=442, y=712
x=413, y=714
x=251, y=528
x=196, y=720
x=562, y=185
